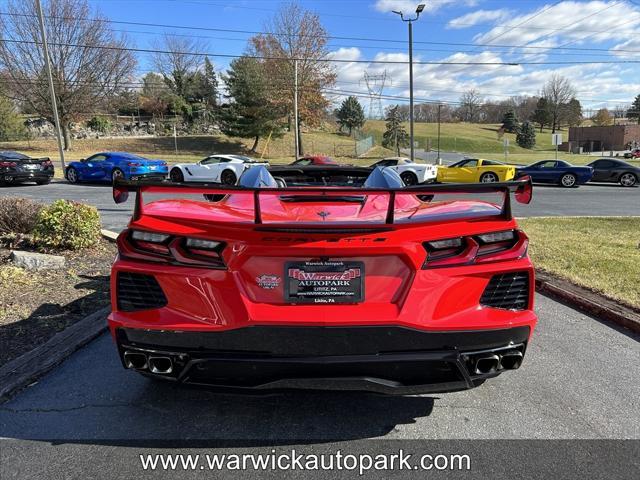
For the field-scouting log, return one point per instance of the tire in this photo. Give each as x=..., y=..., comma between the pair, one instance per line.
x=228, y=178
x=488, y=177
x=176, y=175
x=116, y=173
x=43, y=182
x=409, y=179
x=628, y=179
x=72, y=175
x=568, y=180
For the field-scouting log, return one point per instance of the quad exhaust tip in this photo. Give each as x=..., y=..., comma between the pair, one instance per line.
x=135, y=360
x=161, y=365
x=511, y=359
x=487, y=364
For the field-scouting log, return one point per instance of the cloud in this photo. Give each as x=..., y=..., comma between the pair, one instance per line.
x=346, y=53
x=480, y=16
x=409, y=6
x=568, y=22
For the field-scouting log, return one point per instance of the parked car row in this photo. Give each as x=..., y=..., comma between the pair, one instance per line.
x=227, y=169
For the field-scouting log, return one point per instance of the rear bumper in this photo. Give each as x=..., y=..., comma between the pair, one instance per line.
x=382, y=359
x=148, y=175
x=26, y=176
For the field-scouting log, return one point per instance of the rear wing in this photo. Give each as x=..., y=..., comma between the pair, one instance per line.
x=521, y=188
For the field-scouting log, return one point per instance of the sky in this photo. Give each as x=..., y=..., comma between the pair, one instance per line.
x=470, y=38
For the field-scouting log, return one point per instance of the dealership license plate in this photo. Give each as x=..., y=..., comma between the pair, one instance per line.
x=32, y=167
x=324, y=281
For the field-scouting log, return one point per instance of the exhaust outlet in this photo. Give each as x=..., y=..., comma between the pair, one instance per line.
x=135, y=360
x=511, y=360
x=487, y=364
x=161, y=365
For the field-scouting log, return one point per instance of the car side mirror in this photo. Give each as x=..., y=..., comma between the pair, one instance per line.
x=83, y=159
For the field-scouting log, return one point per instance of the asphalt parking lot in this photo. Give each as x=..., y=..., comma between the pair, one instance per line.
x=597, y=199
x=579, y=381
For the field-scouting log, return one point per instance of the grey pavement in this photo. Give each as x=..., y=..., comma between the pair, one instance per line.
x=579, y=380
x=597, y=199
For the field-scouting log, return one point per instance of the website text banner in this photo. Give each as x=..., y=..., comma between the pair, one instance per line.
x=465, y=459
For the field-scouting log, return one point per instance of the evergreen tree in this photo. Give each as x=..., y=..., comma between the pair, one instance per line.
x=573, y=113
x=510, y=122
x=526, y=136
x=251, y=114
x=395, y=136
x=11, y=125
x=350, y=114
x=542, y=115
x=210, y=84
x=634, y=111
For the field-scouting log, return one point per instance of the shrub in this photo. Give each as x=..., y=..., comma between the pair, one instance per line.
x=18, y=215
x=67, y=225
x=99, y=124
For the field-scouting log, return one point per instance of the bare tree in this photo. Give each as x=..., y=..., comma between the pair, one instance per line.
x=470, y=103
x=177, y=60
x=296, y=33
x=558, y=92
x=89, y=62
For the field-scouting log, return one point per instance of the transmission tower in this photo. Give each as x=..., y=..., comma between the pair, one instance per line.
x=375, y=85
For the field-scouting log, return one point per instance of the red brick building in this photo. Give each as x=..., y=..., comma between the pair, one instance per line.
x=595, y=139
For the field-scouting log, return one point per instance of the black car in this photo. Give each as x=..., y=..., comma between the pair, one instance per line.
x=17, y=168
x=615, y=171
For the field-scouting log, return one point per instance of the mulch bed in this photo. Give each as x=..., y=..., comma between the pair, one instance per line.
x=35, y=305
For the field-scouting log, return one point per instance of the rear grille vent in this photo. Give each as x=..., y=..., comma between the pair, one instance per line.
x=507, y=290
x=138, y=292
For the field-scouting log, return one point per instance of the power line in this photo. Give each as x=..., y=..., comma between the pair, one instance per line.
x=325, y=60
x=363, y=39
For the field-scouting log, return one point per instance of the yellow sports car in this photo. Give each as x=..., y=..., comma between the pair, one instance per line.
x=473, y=170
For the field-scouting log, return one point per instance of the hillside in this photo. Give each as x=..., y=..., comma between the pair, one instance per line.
x=471, y=139
x=465, y=137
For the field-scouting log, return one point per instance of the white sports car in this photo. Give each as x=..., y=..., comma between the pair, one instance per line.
x=412, y=173
x=224, y=169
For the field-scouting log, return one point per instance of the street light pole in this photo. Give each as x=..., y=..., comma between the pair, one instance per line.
x=410, y=21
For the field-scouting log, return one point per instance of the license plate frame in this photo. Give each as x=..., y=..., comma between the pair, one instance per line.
x=324, y=282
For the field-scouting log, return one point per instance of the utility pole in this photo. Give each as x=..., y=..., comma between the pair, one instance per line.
x=410, y=21
x=52, y=91
x=439, y=160
x=295, y=107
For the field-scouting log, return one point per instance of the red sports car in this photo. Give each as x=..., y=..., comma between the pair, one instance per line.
x=315, y=160
x=323, y=278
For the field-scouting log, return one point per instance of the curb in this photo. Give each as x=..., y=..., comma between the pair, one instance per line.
x=109, y=235
x=588, y=301
x=24, y=370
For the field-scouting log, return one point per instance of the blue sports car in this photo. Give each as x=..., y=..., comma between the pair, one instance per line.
x=556, y=171
x=108, y=166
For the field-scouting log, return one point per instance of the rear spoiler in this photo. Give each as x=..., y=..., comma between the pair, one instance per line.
x=522, y=189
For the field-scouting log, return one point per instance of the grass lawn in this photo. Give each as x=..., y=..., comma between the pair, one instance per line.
x=602, y=254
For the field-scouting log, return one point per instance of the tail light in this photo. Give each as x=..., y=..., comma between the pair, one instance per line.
x=164, y=248
x=486, y=247
x=133, y=164
x=8, y=164
x=46, y=164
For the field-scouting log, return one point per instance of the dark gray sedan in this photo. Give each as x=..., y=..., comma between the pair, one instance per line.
x=612, y=170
